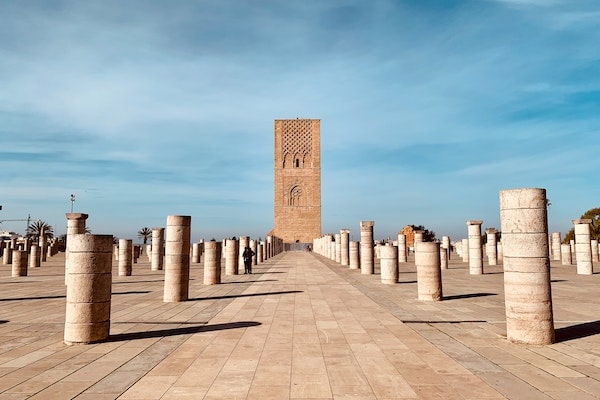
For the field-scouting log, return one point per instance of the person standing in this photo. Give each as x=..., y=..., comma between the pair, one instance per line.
x=247, y=256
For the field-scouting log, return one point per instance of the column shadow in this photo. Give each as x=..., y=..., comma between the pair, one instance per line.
x=235, y=296
x=577, y=331
x=467, y=296
x=180, y=331
x=36, y=298
x=231, y=283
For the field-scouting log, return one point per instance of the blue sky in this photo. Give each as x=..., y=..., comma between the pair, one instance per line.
x=428, y=109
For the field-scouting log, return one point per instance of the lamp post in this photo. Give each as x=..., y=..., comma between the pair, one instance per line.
x=72, y=201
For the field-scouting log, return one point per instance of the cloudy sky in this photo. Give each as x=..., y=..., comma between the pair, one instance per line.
x=428, y=109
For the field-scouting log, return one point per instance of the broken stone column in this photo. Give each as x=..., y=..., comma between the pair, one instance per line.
x=565, y=254
x=465, y=250
x=429, y=275
x=388, y=256
x=35, y=259
x=446, y=246
x=254, y=249
x=490, y=247
x=260, y=252
x=195, y=253
x=418, y=238
x=43, y=243
x=443, y=258
x=594, y=244
x=556, y=248
x=135, y=250
x=212, y=263
x=338, y=248
x=158, y=240
x=583, y=246
x=75, y=226
x=19, y=263
x=345, y=249
x=7, y=255
x=125, y=257
x=475, y=250
x=177, y=258
x=269, y=240
x=231, y=257
x=354, y=255
x=402, y=250
x=87, y=318
x=527, y=292
x=367, y=252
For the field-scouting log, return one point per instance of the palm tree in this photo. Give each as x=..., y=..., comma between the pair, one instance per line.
x=145, y=233
x=35, y=229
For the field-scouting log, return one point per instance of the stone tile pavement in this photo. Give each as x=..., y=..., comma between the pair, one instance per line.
x=300, y=327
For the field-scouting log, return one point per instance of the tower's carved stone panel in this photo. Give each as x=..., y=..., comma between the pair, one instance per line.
x=297, y=179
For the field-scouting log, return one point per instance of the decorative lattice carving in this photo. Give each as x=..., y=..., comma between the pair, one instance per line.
x=297, y=138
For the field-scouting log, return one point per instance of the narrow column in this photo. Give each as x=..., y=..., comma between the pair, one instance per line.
x=583, y=247
x=565, y=254
x=158, y=237
x=87, y=318
x=388, y=256
x=528, y=298
x=446, y=246
x=354, y=255
x=475, y=250
x=231, y=257
x=125, y=257
x=345, y=249
x=465, y=250
x=338, y=248
x=556, y=247
x=177, y=258
x=402, y=253
x=19, y=263
x=75, y=226
x=490, y=246
x=429, y=275
x=594, y=244
x=43, y=243
x=417, y=238
x=195, y=253
x=367, y=256
x=34, y=257
x=254, y=249
x=260, y=252
x=443, y=258
x=212, y=263
x=269, y=240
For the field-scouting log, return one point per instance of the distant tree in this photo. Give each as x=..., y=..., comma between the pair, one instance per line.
x=594, y=215
x=428, y=236
x=35, y=229
x=145, y=233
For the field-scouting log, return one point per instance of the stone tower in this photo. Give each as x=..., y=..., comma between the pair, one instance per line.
x=297, y=180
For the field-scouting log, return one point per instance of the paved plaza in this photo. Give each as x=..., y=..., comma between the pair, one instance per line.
x=300, y=327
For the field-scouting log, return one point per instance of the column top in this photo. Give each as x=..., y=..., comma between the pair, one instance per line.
x=366, y=224
x=474, y=222
x=77, y=216
x=345, y=230
x=491, y=230
x=582, y=221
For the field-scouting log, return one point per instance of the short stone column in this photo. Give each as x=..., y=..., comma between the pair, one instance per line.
x=35, y=259
x=195, y=253
x=388, y=258
x=490, y=246
x=565, y=254
x=254, y=248
x=269, y=240
x=87, y=318
x=367, y=252
x=7, y=255
x=475, y=249
x=231, y=257
x=500, y=252
x=212, y=263
x=402, y=250
x=19, y=263
x=446, y=246
x=556, y=247
x=338, y=248
x=527, y=293
x=429, y=274
x=594, y=244
x=125, y=257
x=583, y=246
x=354, y=255
x=43, y=243
x=345, y=247
x=418, y=238
x=443, y=258
x=75, y=226
x=158, y=249
x=260, y=252
x=465, y=250
x=177, y=258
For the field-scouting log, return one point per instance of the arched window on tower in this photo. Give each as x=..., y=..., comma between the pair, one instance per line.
x=297, y=163
x=295, y=196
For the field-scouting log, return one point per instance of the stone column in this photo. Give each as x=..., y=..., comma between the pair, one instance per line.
x=402, y=250
x=565, y=254
x=354, y=255
x=344, y=247
x=35, y=257
x=443, y=258
x=43, y=243
x=269, y=240
x=465, y=250
x=367, y=252
x=125, y=257
x=594, y=244
x=261, y=252
x=195, y=253
x=556, y=246
x=244, y=242
x=158, y=238
x=87, y=318
x=475, y=250
x=500, y=252
x=583, y=247
x=254, y=249
x=418, y=238
x=19, y=263
x=75, y=226
x=338, y=248
x=446, y=246
x=212, y=263
x=231, y=257
x=388, y=256
x=429, y=275
x=528, y=298
x=490, y=246
x=177, y=258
